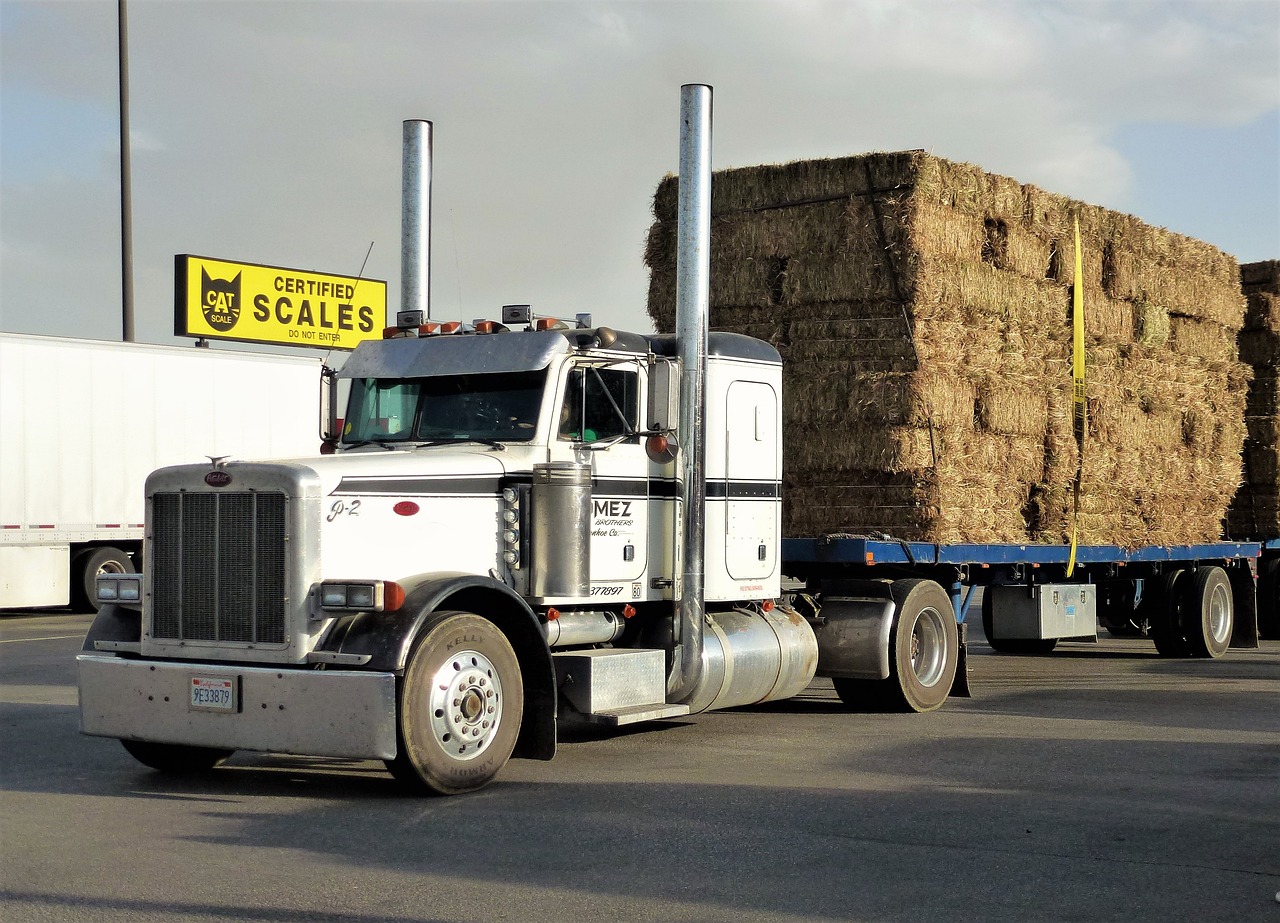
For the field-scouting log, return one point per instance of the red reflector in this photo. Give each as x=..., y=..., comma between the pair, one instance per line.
x=628, y=610
x=767, y=605
x=452, y=326
x=392, y=596
x=546, y=323
x=657, y=444
x=485, y=326
x=390, y=332
x=405, y=508
x=552, y=614
x=428, y=329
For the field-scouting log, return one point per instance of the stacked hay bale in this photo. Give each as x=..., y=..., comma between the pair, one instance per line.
x=1255, y=512
x=922, y=308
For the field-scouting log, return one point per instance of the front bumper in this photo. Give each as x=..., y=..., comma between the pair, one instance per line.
x=344, y=713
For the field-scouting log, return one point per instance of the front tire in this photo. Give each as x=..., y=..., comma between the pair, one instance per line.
x=175, y=759
x=460, y=706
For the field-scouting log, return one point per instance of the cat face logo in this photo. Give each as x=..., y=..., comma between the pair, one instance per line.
x=220, y=301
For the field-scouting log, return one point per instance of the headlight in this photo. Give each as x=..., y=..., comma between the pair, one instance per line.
x=362, y=596
x=125, y=588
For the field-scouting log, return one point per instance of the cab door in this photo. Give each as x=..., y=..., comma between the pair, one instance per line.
x=752, y=518
x=599, y=419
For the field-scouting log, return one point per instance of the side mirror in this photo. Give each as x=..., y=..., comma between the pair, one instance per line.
x=329, y=423
x=664, y=396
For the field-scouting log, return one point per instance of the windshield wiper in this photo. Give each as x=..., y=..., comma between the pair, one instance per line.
x=458, y=440
x=387, y=444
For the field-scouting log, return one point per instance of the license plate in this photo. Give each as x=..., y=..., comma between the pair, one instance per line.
x=213, y=693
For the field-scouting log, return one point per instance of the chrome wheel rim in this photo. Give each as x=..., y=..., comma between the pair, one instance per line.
x=928, y=647
x=1219, y=614
x=466, y=705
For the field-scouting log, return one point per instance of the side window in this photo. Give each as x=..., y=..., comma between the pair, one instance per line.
x=600, y=404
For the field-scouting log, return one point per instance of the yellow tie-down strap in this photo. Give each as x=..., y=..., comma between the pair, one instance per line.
x=1079, y=410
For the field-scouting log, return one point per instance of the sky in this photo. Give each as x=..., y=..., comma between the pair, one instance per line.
x=270, y=132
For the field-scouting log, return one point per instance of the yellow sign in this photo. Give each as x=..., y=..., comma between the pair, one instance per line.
x=267, y=304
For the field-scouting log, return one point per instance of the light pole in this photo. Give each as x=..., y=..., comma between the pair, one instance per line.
x=126, y=192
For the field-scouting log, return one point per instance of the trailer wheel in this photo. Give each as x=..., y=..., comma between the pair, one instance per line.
x=175, y=759
x=88, y=566
x=1269, y=598
x=460, y=706
x=1165, y=615
x=1010, y=645
x=924, y=648
x=1208, y=612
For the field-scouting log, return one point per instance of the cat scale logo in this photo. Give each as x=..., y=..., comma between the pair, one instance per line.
x=220, y=301
x=254, y=303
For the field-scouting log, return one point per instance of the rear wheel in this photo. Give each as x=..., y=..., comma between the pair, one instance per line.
x=175, y=759
x=924, y=648
x=460, y=706
x=86, y=569
x=1165, y=614
x=1208, y=612
x=1269, y=598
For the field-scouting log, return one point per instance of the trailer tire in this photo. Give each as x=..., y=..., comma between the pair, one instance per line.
x=176, y=759
x=1010, y=645
x=1269, y=598
x=85, y=568
x=1164, y=615
x=924, y=648
x=459, y=708
x=1208, y=612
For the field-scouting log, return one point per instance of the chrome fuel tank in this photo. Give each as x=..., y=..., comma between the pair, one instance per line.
x=751, y=656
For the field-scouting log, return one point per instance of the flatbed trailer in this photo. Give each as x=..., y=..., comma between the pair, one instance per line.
x=1191, y=600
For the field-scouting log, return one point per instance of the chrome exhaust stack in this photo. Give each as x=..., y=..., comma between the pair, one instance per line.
x=693, y=306
x=415, y=221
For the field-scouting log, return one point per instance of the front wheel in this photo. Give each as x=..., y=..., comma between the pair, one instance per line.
x=175, y=759
x=460, y=706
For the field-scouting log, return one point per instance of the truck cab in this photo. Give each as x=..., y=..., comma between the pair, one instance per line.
x=490, y=548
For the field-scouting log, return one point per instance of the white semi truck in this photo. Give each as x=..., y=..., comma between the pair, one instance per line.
x=85, y=422
x=529, y=521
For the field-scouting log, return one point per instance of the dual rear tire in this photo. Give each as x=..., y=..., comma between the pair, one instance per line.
x=924, y=651
x=1194, y=613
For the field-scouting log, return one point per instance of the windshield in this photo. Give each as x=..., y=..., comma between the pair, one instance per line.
x=499, y=407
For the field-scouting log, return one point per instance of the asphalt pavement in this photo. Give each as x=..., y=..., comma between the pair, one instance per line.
x=1101, y=782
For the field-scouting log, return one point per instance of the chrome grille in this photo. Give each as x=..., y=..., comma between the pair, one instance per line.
x=218, y=566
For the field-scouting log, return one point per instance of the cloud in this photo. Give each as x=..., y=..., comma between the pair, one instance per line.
x=270, y=131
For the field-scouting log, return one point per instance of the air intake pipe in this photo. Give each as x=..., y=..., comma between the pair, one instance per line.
x=693, y=298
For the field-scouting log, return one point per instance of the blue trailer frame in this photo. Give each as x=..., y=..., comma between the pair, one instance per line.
x=961, y=568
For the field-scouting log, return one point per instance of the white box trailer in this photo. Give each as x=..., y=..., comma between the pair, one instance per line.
x=82, y=424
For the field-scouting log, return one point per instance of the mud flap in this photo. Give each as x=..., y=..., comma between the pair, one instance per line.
x=960, y=685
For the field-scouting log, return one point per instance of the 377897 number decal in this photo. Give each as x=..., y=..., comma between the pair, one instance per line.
x=606, y=591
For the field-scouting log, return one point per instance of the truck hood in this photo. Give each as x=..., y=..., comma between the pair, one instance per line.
x=409, y=473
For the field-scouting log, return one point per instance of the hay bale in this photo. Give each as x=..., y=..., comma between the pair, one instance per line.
x=923, y=311
x=1255, y=511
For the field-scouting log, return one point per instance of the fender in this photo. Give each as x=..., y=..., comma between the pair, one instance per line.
x=116, y=624
x=387, y=638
